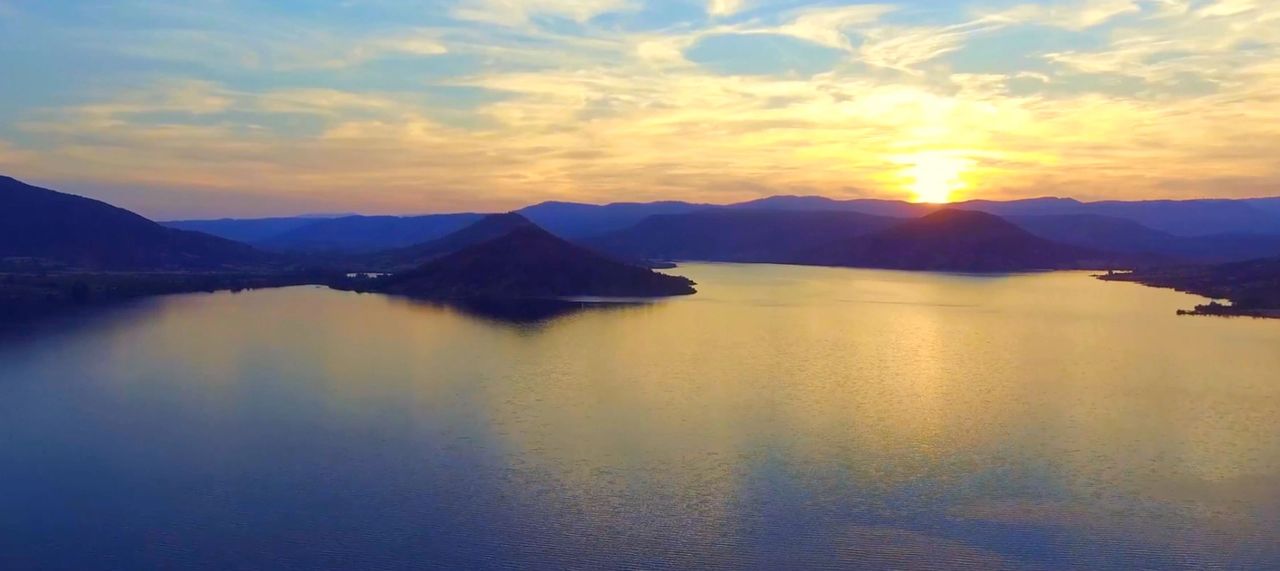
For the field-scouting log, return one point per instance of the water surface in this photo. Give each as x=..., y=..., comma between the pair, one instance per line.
x=784, y=417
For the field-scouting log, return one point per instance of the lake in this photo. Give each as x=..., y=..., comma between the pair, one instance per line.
x=783, y=418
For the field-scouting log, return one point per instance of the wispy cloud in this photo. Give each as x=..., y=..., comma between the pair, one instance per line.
x=724, y=7
x=831, y=26
x=515, y=12
x=1071, y=14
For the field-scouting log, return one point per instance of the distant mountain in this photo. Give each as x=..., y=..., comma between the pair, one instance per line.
x=69, y=230
x=574, y=220
x=1268, y=204
x=1126, y=236
x=873, y=206
x=1176, y=217
x=740, y=234
x=903, y=209
x=487, y=228
x=248, y=230
x=364, y=234
x=1240, y=229
x=736, y=235
x=1042, y=206
x=953, y=240
x=530, y=263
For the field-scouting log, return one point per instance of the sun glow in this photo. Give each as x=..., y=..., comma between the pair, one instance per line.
x=935, y=178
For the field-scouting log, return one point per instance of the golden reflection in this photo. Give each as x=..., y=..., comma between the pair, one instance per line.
x=912, y=378
x=1091, y=399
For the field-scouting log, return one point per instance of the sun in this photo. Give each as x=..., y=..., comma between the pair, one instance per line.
x=935, y=177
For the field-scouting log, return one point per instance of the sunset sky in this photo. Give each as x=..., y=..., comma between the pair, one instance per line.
x=242, y=108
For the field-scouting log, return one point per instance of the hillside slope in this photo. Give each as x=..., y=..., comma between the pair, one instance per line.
x=44, y=226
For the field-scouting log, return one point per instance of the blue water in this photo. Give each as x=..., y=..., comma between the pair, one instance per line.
x=783, y=417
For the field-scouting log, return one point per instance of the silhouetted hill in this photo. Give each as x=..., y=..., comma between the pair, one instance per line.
x=736, y=235
x=65, y=229
x=1120, y=235
x=903, y=209
x=530, y=263
x=1096, y=232
x=1194, y=217
x=953, y=240
x=487, y=228
x=573, y=220
x=1177, y=217
x=363, y=234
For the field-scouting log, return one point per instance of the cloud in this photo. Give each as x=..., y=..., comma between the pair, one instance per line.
x=200, y=34
x=1228, y=8
x=1172, y=44
x=1170, y=100
x=724, y=7
x=416, y=43
x=516, y=12
x=906, y=48
x=1074, y=15
x=829, y=26
x=12, y=156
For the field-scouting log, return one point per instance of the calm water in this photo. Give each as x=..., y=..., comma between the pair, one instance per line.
x=783, y=418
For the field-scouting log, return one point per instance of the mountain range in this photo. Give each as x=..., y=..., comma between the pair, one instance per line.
x=1199, y=217
x=1202, y=231
x=561, y=249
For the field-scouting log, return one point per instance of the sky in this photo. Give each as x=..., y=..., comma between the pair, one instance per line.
x=240, y=108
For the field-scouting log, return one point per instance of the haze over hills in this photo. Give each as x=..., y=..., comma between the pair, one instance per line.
x=486, y=228
x=953, y=240
x=736, y=235
x=363, y=234
x=352, y=234
x=1231, y=229
x=1178, y=217
x=782, y=236
x=47, y=227
x=528, y=262
x=248, y=230
x=1268, y=204
x=575, y=220
x=1124, y=236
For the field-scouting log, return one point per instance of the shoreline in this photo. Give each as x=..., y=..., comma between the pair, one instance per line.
x=1214, y=308
x=28, y=297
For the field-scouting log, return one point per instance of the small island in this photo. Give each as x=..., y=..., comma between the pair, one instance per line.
x=526, y=262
